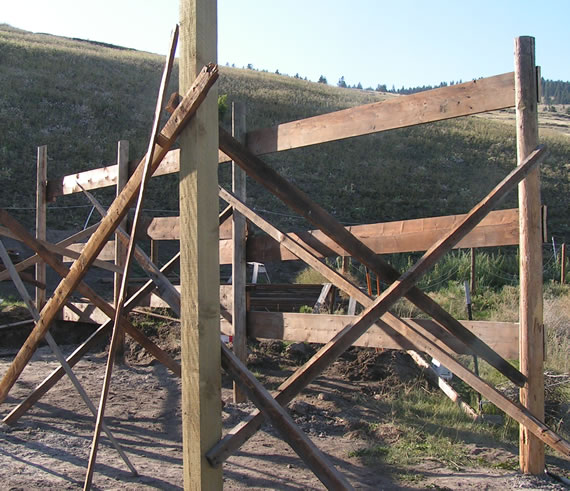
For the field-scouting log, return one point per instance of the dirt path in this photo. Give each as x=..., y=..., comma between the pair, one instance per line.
x=49, y=447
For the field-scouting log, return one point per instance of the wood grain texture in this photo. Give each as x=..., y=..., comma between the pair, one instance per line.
x=486, y=94
x=199, y=265
x=239, y=265
x=530, y=311
x=501, y=336
x=41, y=221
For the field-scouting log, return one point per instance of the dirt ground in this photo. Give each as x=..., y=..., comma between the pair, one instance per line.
x=48, y=447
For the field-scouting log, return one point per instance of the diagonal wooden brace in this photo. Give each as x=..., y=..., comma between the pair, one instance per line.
x=58, y=354
x=301, y=203
x=117, y=212
x=30, y=261
x=53, y=261
x=233, y=440
x=278, y=416
x=80, y=351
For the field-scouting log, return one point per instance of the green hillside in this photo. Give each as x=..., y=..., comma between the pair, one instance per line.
x=80, y=98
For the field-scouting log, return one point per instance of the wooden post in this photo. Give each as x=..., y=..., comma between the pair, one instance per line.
x=41, y=217
x=154, y=251
x=563, y=264
x=239, y=265
x=531, y=337
x=120, y=249
x=199, y=268
x=473, y=270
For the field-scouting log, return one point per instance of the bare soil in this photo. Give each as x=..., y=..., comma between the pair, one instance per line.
x=48, y=447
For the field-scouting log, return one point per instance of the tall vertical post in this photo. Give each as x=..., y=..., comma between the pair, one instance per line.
x=239, y=264
x=199, y=268
x=531, y=335
x=563, y=263
x=41, y=221
x=120, y=249
x=473, y=271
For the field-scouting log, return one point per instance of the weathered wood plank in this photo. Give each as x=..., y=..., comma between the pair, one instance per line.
x=530, y=311
x=30, y=261
x=313, y=328
x=68, y=253
x=239, y=264
x=486, y=94
x=499, y=228
x=41, y=221
x=106, y=254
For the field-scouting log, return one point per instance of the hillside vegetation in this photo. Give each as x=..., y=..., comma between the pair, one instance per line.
x=80, y=98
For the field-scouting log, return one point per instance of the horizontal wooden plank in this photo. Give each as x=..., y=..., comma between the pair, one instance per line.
x=499, y=228
x=83, y=312
x=486, y=94
x=107, y=254
x=103, y=177
x=477, y=96
x=168, y=228
x=320, y=328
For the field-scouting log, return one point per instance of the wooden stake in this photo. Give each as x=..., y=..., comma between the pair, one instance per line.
x=239, y=264
x=531, y=336
x=41, y=217
x=563, y=264
x=199, y=267
x=120, y=249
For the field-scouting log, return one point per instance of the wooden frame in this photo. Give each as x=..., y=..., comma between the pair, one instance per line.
x=199, y=298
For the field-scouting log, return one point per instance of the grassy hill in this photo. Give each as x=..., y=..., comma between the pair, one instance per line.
x=80, y=98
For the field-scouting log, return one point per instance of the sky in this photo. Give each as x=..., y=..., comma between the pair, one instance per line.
x=405, y=43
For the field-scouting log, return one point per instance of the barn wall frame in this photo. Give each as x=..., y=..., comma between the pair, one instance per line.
x=441, y=337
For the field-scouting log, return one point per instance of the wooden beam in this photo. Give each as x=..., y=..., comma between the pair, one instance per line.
x=30, y=261
x=72, y=359
x=239, y=264
x=310, y=328
x=120, y=249
x=300, y=202
x=283, y=423
x=199, y=266
x=41, y=221
x=499, y=228
x=486, y=94
x=531, y=336
x=68, y=253
x=117, y=211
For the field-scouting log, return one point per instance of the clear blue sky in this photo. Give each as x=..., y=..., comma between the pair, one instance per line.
x=369, y=41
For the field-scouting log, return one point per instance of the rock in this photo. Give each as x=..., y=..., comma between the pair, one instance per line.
x=299, y=351
x=300, y=407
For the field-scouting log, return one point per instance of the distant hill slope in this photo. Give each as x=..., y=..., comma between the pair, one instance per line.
x=80, y=98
